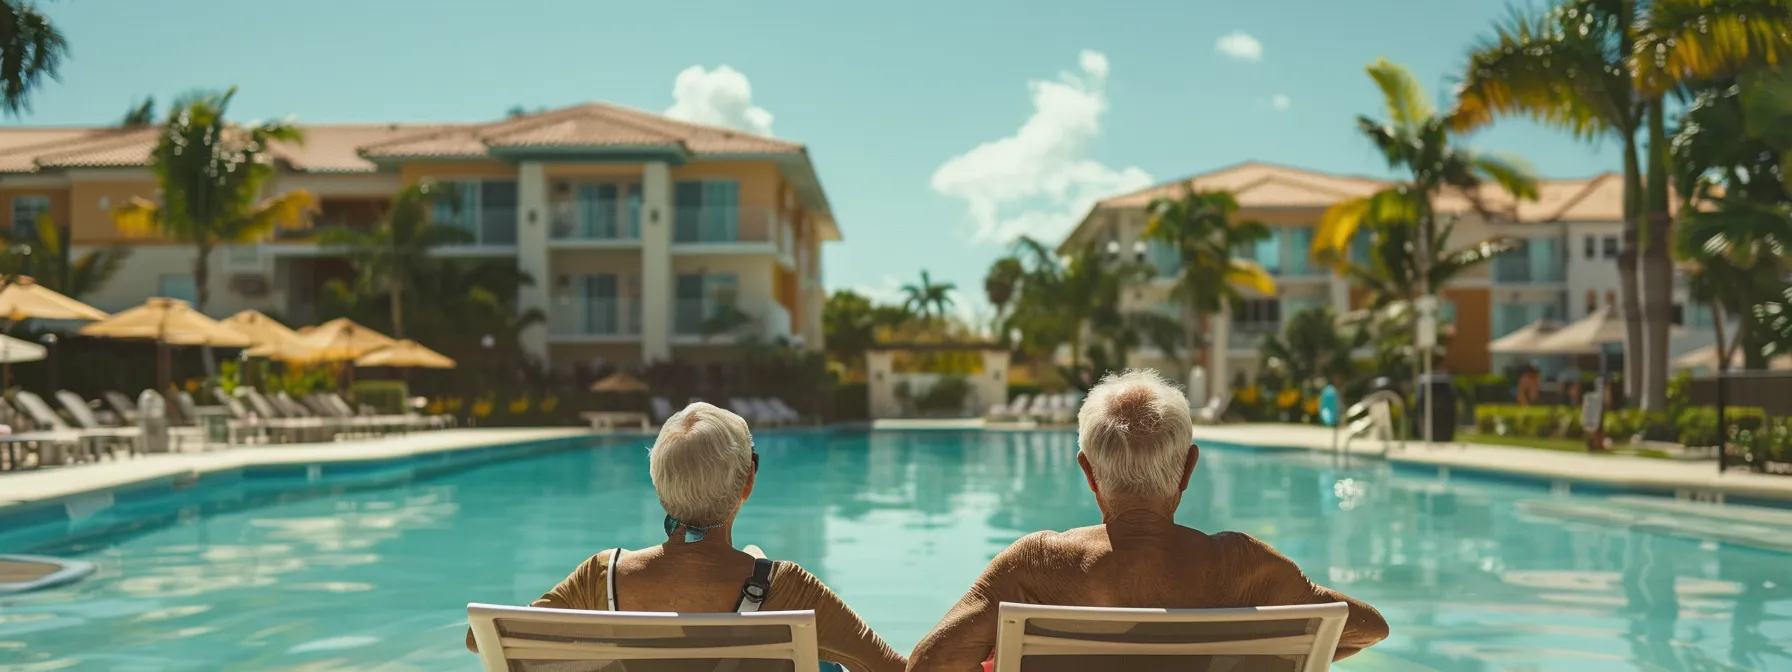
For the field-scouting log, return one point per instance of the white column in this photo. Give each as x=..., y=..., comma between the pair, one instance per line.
x=995, y=379
x=1219, y=382
x=532, y=253
x=1340, y=291
x=881, y=374
x=656, y=263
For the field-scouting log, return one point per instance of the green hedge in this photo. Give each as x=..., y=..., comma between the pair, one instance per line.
x=387, y=396
x=1692, y=426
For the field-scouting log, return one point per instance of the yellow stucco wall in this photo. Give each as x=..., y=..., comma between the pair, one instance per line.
x=90, y=210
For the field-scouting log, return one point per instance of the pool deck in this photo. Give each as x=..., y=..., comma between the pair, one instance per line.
x=58, y=482
x=1687, y=479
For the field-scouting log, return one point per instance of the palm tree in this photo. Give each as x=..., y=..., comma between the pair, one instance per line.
x=31, y=49
x=393, y=255
x=211, y=174
x=1311, y=346
x=1599, y=68
x=928, y=299
x=1075, y=300
x=140, y=115
x=1200, y=227
x=999, y=285
x=54, y=265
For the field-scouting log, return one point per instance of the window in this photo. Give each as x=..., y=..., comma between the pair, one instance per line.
x=1258, y=315
x=485, y=209
x=1292, y=306
x=1269, y=253
x=1446, y=311
x=1164, y=257
x=1359, y=249
x=1592, y=300
x=1592, y=247
x=1611, y=247
x=1679, y=319
x=706, y=211
x=25, y=212
x=178, y=287
x=1300, y=251
x=701, y=297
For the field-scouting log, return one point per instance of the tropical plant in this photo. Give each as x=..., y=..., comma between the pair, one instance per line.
x=1736, y=212
x=1076, y=301
x=1419, y=142
x=140, y=115
x=1391, y=275
x=850, y=323
x=1200, y=226
x=928, y=299
x=999, y=285
x=394, y=255
x=1311, y=346
x=1600, y=68
x=53, y=264
x=211, y=174
x=470, y=299
x=31, y=50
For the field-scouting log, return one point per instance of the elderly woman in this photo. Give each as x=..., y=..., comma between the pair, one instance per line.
x=1137, y=453
x=704, y=466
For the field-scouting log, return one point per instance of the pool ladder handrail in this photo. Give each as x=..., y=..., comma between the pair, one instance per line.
x=1362, y=417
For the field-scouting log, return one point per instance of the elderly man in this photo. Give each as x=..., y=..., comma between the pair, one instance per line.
x=703, y=467
x=1137, y=453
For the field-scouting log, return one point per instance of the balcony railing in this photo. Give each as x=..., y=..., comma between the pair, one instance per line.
x=708, y=318
x=1534, y=262
x=725, y=224
x=595, y=316
x=595, y=221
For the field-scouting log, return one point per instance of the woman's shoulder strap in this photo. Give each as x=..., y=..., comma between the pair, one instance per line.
x=757, y=588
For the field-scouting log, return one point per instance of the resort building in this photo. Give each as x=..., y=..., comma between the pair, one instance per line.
x=637, y=229
x=1565, y=269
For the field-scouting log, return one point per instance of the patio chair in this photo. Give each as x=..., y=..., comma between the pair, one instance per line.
x=46, y=444
x=662, y=409
x=1253, y=639
x=784, y=410
x=1013, y=410
x=1040, y=408
x=766, y=410
x=745, y=410
x=53, y=428
x=303, y=429
x=522, y=638
x=242, y=419
x=122, y=405
x=88, y=423
x=1214, y=411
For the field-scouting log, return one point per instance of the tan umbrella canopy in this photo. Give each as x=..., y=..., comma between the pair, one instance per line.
x=619, y=382
x=1586, y=336
x=167, y=322
x=1706, y=358
x=261, y=328
x=342, y=340
x=1525, y=340
x=406, y=354
x=23, y=298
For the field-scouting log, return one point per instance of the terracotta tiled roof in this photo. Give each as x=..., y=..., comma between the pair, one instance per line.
x=348, y=147
x=1260, y=185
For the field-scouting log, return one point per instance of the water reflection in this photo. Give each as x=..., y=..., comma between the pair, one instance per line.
x=1473, y=576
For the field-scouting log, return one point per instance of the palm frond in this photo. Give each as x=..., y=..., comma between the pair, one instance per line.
x=1552, y=67
x=1405, y=98
x=31, y=50
x=1689, y=40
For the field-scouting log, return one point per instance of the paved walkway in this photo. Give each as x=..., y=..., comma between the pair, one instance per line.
x=56, y=482
x=1615, y=471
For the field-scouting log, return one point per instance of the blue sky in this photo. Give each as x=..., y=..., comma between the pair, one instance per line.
x=940, y=129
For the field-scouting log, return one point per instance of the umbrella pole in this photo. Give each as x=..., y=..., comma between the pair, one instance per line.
x=6, y=366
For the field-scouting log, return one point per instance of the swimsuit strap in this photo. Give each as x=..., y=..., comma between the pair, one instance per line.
x=610, y=577
x=757, y=588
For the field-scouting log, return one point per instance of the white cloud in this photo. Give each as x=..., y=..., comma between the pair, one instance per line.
x=1039, y=181
x=1240, y=45
x=1280, y=101
x=719, y=97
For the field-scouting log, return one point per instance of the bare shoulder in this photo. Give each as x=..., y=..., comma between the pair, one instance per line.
x=1247, y=546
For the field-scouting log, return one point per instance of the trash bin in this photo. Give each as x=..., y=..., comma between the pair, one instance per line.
x=152, y=418
x=1442, y=392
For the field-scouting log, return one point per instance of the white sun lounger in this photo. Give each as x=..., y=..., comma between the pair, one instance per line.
x=522, y=638
x=52, y=428
x=1260, y=639
x=662, y=409
x=767, y=413
x=1014, y=409
x=784, y=410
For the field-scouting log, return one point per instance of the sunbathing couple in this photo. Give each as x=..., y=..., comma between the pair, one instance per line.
x=1136, y=451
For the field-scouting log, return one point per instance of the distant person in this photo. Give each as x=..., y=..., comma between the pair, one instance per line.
x=1137, y=454
x=703, y=467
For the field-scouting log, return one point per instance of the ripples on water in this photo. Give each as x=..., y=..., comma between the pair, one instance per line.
x=1472, y=576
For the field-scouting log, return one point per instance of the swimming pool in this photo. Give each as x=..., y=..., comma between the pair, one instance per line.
x=364, y=574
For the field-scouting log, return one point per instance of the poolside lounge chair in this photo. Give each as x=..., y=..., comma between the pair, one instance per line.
x=1254, y=639
x=1013, y=410
x=521, y=638
x=1039, y=408
x=662, y=409
x=744, y=410
x=782, y=410
x=53, y=428
x=266, y=415
x=88, y=423
x=122, y=405
x=766, y=413
x=243, y=420
x=1213, y=412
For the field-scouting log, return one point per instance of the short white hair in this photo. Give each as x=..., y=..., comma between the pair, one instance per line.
x=700, y=463
x=1135, y=429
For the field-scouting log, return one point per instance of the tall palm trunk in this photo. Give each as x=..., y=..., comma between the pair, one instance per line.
x=1657, y=268
x=397, y=295
x=1717, y=326
x=1628, y=285
x=202, y=294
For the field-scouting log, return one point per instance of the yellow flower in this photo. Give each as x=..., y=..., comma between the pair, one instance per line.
x=193, y=386
x=1248, y=395
x=549, y=403
x=1312, y=406
x=1287, y=398
x=482, y=408
x=435, y=407
x=519, y=405
x=452, y=404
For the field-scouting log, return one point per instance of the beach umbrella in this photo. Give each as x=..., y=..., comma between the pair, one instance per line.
x=24, y=299
x=1706, y=358
x=1586, y=336
x=406, y=354
x=167, y=322
x=261, y=329
x=1525, y=340
x=342, y=340
x=619, y=382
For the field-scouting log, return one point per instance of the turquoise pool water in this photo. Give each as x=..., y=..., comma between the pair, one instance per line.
x=1473, y=576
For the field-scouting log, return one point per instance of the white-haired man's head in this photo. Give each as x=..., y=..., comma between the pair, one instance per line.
x=701, y=463
x=1135, y=431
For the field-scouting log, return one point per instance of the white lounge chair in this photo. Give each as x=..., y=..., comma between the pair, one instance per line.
x=784, y=410
x=745, y=410
x=1257, y=639
x=51, y=427
x=521, y=638
x=122, y=405
x=1040, y=408
x=1011, y=410
x=767, y=413
x=1213, y=412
